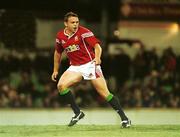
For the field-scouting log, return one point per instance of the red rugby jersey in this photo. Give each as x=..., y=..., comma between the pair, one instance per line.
x=79, y=47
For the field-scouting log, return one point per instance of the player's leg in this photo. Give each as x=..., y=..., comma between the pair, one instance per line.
x=67, y=80
x=101, y=87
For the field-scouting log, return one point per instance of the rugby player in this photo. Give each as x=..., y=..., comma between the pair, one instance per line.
x=84, y=53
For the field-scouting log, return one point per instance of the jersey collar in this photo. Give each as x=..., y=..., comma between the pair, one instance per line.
x=69, y=36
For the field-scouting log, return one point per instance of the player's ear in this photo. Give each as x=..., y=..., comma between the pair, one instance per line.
x=65, y=24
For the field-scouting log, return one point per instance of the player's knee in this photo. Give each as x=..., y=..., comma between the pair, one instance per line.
x=61, y=87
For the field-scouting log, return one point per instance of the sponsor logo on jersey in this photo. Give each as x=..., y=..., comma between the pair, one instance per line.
x=72, y=48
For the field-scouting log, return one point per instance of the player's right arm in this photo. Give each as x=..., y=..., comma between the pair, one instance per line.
x=57, y=61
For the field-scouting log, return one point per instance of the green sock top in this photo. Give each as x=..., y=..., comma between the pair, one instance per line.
x=109, y=97
x=65, y=91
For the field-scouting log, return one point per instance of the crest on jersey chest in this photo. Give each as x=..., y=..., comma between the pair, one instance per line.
x=76, y=38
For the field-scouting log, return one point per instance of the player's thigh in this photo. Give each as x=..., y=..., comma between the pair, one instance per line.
x=68, y=79
x=101, y=86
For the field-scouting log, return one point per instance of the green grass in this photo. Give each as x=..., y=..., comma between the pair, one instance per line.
x=90, y=131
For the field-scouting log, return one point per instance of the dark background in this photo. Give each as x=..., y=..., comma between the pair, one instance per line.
x=147, y=80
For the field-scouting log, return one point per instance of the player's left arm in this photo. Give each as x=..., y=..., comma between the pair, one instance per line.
x=98, y=52
x=92, y=41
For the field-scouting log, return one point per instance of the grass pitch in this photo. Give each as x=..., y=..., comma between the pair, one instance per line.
x=90, y=131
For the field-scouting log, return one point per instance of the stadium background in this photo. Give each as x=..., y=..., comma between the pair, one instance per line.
x=141, y=58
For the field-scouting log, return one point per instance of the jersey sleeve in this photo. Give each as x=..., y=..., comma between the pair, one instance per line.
x=58, y=46
x=90, y=39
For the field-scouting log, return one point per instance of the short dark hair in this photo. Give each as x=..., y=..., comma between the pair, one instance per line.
x=69, y=14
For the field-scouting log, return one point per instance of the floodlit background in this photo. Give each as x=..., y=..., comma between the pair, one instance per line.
x=141, y=58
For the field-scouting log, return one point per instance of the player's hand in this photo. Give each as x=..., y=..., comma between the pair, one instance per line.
x=54, y=76
x=97, y=61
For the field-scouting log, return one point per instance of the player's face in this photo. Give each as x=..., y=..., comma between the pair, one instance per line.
x=72, y=24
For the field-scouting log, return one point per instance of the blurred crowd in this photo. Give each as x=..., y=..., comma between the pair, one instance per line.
x=147, y=80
